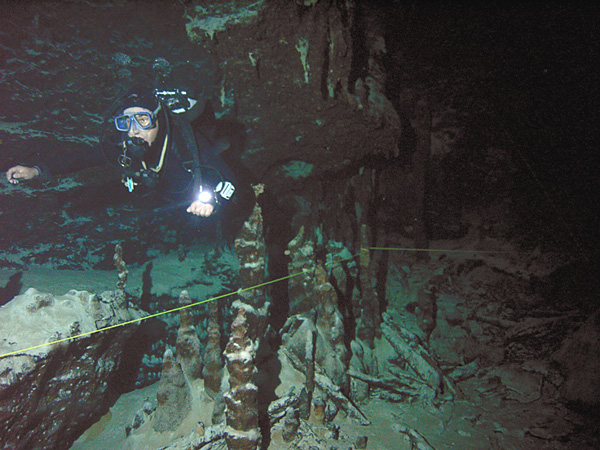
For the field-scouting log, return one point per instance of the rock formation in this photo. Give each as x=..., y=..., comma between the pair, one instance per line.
x=361, y=361
x=301, y=252
x=250, y=248
x=174, y=396
x=319, y=85
x=188, y=343
x=212, y=373
x=330, y=351
x=291, y=423
x=318, y=335
x=57, y=372
x=365, y=307
x=241, y=399
x=367, y=326
x=122, y=272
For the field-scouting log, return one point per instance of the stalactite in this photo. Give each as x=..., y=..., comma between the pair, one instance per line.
x=188, y=343
x=174, y=396
x=241, y=399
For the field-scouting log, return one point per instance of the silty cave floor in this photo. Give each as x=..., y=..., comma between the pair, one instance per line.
x=511, y=395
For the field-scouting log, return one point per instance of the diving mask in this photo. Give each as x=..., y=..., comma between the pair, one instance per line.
x=142, y=120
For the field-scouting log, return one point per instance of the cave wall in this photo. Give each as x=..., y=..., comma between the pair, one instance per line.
x=308, y=83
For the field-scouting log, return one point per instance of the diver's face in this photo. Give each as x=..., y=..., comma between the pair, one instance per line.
x=134, y=131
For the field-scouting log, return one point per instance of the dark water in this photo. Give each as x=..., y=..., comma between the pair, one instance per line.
x=521, y=78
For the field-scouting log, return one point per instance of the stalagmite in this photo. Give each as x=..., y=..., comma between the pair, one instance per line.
x=174, y=396
x=367, y=327
x=365, y=305
x=122, y=272
x=300, y=288
x=241, y=399
x=314, y=299
x=188, y=343
x=426, y=311
x=333, y=392
x=331, y=354
x=362, y=361
x=318, y=410
x=212, y=373
x=309, y=360
x=338, y=397
x=304, y=403
x=291, y=423
x=250, y=248
x=218, y=414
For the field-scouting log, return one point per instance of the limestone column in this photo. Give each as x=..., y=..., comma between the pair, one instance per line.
x=242, y=431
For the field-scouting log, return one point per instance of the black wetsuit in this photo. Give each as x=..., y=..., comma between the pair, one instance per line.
x=175, y=183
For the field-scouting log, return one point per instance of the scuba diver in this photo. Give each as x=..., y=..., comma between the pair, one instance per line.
x=156, y=149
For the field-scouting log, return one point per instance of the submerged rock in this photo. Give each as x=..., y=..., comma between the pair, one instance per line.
x=58, y=373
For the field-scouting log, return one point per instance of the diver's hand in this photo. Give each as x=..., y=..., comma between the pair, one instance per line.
x=201, y=209
x=18, y=173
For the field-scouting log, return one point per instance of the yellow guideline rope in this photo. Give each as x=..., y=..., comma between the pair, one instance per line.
x=438, y=250
x=15, y=352
x=151, y=315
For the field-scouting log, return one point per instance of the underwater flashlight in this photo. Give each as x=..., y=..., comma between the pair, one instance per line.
x=204, y=196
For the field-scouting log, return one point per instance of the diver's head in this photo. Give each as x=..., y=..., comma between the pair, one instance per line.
x=139, y=122
x=139, y=116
